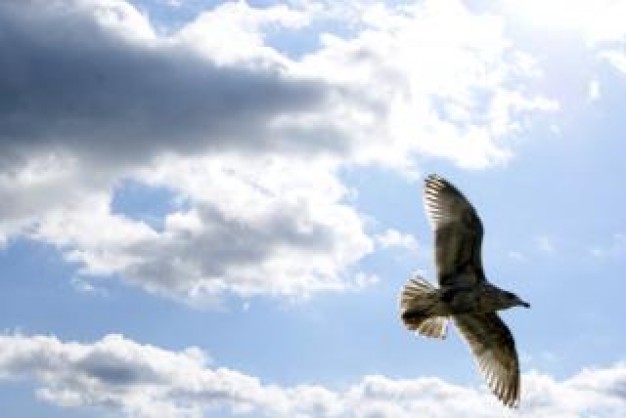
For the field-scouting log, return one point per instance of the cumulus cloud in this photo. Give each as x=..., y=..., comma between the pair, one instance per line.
x=394, y=238
x=250, y=137
x=281, y=233
x=594, y=92
x=92, y=77
x=76, y=82
x=447, y=93
x=121, y=375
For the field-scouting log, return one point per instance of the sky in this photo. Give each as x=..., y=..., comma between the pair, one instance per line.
x=209, y=208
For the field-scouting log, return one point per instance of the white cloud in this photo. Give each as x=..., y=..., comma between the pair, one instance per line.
x=234, y=32
x=120, y=375
x=594, y=90
x=426, y=89
x=403, y=84
x=252, y=138
x=284, y=233
x=394, y=238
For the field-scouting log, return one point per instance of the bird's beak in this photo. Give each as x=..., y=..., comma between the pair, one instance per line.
x=524, y=304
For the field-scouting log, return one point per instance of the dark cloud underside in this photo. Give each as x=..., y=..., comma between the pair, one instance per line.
x=70, y=83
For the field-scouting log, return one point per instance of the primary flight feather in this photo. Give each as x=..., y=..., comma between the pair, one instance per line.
x=464, y=294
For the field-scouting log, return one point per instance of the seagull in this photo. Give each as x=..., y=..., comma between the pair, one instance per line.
x=464, y=295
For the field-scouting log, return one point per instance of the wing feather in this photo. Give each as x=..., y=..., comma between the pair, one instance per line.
x=493, y=348
x=458, y=233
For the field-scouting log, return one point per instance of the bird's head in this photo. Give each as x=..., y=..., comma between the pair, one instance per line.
x=510, y=300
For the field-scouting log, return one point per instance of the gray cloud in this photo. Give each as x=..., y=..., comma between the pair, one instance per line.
x=69, y=82
x=90, y=96
x=138, y=380
x=223, y=254
x=243, y=244
x=240, y=233
x=251, y=138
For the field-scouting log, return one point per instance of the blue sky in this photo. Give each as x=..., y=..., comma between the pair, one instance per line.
x=209, y=208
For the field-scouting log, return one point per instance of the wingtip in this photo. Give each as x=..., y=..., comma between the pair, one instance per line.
x=435, y=182
x=433, y=177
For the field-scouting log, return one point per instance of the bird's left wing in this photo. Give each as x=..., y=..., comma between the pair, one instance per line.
x=458, y=233
x=493, y=347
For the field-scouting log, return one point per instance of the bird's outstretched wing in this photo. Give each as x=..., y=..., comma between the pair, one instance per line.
x=493, y=347
x=458, y=233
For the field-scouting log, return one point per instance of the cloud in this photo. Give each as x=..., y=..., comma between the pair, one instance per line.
x=285, y=233
x=115, y=91
x=394, y=238
x=594, y=92
x=251, y=138
x=120, y=375
x=434, y=91
x=244, y=28
x=122, y=93
x=92, y=110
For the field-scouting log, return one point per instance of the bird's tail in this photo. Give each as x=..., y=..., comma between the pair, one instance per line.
x=418, y=308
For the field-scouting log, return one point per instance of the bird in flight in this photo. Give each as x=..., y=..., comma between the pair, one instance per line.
x=464, y=295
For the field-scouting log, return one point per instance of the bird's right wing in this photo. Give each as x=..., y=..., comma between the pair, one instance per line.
x=458, y=233
x=493, y=347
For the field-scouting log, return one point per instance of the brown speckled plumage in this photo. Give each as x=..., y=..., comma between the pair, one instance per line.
x=464, y=295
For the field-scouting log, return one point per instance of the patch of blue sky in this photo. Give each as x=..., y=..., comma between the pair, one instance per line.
x=34, y=279
x=374, y=190
x=17, y=400
x=34, y=275
x=167, y=16
x=297, y=42
x=146, y=203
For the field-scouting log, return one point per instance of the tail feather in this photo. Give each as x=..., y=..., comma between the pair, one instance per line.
x=418, y=301
x=434, y=327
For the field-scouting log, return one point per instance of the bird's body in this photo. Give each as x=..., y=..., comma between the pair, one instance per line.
x=464, y=296
x=456, y=300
